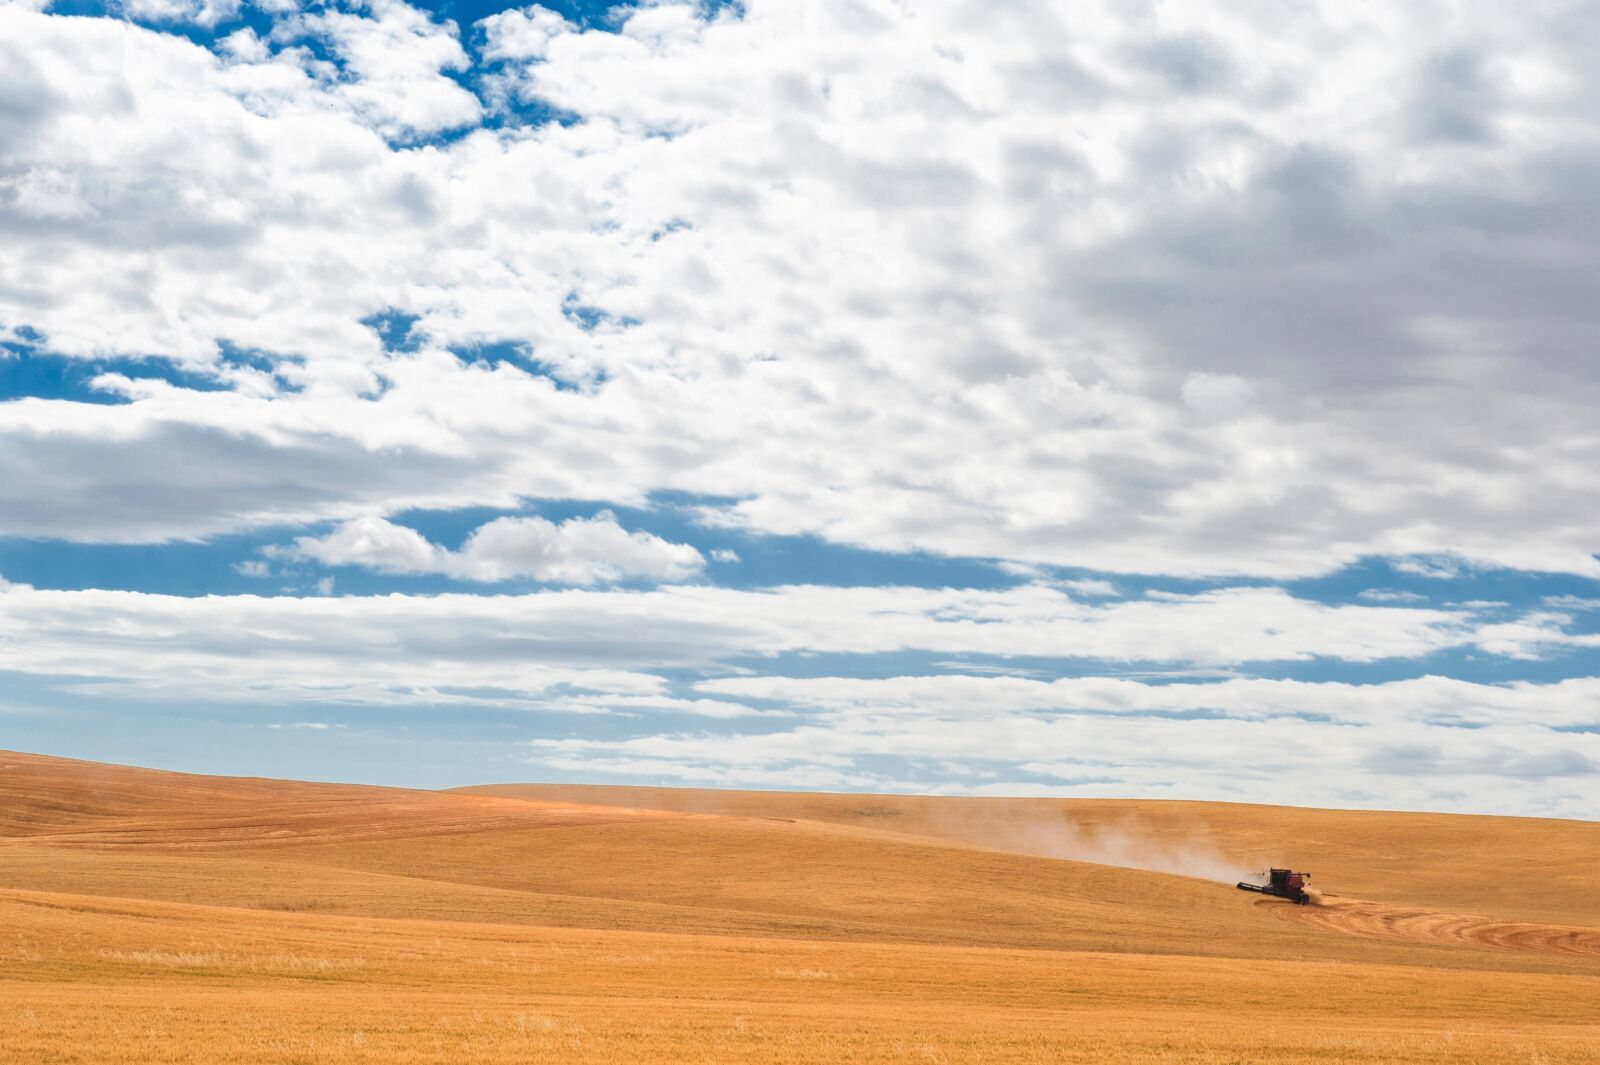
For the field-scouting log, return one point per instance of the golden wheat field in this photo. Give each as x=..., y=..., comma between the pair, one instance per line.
x=159, y=917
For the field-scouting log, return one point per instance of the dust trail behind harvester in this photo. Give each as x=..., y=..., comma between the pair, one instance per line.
x=1126, y=846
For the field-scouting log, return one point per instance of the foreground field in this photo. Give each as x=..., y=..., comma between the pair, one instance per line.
x=153, y=917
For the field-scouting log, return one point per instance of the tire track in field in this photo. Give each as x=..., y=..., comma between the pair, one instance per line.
x=1382, y=921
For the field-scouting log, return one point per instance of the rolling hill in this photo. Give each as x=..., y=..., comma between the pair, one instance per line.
x=170, y=917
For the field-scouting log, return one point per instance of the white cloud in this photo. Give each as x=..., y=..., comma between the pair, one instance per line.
x=370, y=542
x=1431, y=743
x=1435, y=567
x=1571, y=602
x=244, y=44
x=1430, y=700
x=1217, y=397
x=525, y=650
x=1390, y=595
x=386, y=651
x=523, y=33
x=253, y=567
x=576, y=551
x=1394, y=745
x=1521, y=768
x=724, y=554
x=1193, y=291
x=199, y=12
x=394, y=58
x=1089, y=292
x=1533, y=635
x=1093, y=587
x=653, y=704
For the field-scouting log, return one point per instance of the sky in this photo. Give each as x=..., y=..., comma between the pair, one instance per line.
x=1161, y=400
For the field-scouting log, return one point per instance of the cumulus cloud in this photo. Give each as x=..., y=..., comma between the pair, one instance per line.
x=394, y=59
x=371, y=542
x=199, y=12
x=523, y=33
x=1079, y=294
x=576, y=551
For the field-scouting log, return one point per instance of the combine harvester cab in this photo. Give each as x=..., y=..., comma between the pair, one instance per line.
x=1282, y=884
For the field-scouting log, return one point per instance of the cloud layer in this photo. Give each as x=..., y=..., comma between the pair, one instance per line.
x=1228, y=299
x=1163, y=291
x=1433, y=742
x=364, y=646
x=223, y=647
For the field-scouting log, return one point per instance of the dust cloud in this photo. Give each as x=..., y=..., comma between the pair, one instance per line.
x=1125, y=846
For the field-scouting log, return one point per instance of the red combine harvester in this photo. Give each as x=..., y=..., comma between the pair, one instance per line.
x=1282, y=884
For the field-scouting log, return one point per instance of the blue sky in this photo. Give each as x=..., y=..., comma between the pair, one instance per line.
x=783, y=396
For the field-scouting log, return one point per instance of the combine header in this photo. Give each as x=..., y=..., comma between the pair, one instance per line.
x=1282, y=884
